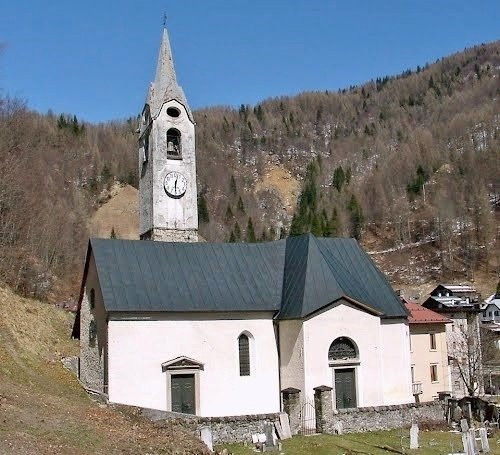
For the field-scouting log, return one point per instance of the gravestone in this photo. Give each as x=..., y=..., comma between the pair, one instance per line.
x=285, y=426
x=414, y=436
x=206, y=437
x=485, y=445
x=269, y=432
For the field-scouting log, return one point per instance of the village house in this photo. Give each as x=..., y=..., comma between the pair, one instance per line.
x=430, y=373
x=212, y=329
x=461, y=304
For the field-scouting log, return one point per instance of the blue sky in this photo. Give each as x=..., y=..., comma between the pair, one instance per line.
x=96, y=58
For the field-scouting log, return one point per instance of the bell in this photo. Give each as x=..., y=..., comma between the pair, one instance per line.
x=170, y=147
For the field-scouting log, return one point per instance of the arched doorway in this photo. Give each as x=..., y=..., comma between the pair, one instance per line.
x=343, y=358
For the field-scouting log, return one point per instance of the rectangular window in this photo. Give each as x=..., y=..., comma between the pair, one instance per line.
x=496, y=313
x=412, y=374
x=433, y=341
x=434, y=373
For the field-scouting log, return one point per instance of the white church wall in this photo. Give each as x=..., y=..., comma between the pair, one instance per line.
x=291, y=343
x=344, y=320
x=137, y=348
x=396, y=362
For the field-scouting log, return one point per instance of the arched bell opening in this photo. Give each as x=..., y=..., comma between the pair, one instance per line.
x=174, y=144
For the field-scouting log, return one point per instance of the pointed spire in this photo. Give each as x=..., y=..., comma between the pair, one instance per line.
x=165, y=72
x=165, y=86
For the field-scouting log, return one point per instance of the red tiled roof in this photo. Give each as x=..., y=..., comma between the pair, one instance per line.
x=421, y=315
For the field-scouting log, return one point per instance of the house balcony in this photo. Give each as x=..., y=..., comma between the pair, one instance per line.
x=416, y=388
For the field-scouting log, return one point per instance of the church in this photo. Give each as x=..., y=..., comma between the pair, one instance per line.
x=172, y=323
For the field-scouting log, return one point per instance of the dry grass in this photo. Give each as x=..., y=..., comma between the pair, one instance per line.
x=43, y=409
x=120, y=212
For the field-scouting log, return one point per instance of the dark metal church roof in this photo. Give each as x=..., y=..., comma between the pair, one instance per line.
x=294, y=277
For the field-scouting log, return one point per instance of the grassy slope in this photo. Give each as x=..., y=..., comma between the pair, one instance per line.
x=43, y=410
x=379, y=443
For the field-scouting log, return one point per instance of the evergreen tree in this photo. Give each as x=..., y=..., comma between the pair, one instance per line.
x=251, y=238
x=232, y=185
x=61, y=122
x=237, y=232
x=113, y=233
x=229, y=213
x=240, y=206
x=74, y=125
x=203, y=215
x=316, y=226
x=263, y=236
x=339, y=178
x=232, y=238
x=357, y=218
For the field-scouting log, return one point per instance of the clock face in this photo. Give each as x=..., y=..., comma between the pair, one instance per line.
x=175, y=184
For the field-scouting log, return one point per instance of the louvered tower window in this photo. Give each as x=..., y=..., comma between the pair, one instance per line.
x=244, y=349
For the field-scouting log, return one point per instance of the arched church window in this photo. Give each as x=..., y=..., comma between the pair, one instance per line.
x=244, y=351
x=174, y=144
x=342, y=349
x=92, y=299
x=146, y=145
x=92, y=332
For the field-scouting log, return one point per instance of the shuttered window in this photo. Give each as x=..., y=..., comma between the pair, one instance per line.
x=244, y=349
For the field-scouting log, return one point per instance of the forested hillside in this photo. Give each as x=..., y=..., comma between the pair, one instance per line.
x=413, y=158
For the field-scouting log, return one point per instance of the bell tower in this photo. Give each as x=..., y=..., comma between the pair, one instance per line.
x=167, y=162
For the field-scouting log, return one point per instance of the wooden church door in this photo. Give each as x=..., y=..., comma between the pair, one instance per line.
x=183, y=399
x=345, y=388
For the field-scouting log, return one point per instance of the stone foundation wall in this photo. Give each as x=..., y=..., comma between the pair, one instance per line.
x=171, y=235
x=225, y=430
x=91, y=371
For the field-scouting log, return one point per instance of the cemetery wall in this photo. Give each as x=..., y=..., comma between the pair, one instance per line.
x=224, y=429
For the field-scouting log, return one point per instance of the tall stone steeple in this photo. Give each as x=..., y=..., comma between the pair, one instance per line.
x=167, y=162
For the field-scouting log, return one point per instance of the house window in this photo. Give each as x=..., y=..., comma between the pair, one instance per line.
x=244, y=351
x=484, y=314
x=342, y=349
x=174, y=144
x=433, y=341
x=92, y=299
x=434, y=373
x=496, y=313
